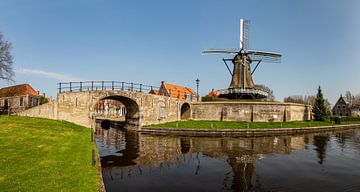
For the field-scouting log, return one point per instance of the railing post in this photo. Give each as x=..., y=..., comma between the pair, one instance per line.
x=80, y=85
x=112, y=85
x=140, y=87
x=132, y=86
x=92, y=85
x=59, y=87
x=70, y=87
x=102, y=85
x=122, y=86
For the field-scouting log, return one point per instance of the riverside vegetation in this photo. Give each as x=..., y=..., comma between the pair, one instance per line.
x=244, y=125
x=46, y=155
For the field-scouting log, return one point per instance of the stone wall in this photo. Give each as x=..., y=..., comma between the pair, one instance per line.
x=48, y=110
x=79, y=107
x=145, y=109
x=250, y=111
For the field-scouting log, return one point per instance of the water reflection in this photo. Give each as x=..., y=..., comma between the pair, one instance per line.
x=138, y=162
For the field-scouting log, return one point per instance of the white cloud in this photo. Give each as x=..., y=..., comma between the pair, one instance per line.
x=48, y=74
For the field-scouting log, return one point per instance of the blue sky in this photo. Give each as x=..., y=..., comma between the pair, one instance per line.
x=151, y=41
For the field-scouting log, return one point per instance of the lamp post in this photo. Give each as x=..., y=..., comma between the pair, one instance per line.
x=197, y=89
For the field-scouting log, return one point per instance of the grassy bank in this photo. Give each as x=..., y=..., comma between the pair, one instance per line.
x=244, y=125
x=45, y=155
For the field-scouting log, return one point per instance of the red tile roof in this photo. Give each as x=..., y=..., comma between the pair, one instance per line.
x=214, y=93
x=178, y=91
x=17, y=90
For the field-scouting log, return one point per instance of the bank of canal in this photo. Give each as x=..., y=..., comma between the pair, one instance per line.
x=46, y=155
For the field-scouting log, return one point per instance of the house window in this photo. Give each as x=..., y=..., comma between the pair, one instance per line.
x=338, y=106
x=6, y=103
x=347, y=114
x=344, y=106
x=21, y=101
x=340, y=114
x=334, y=113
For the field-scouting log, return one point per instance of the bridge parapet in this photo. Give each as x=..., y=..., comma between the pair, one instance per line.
x=103, y=86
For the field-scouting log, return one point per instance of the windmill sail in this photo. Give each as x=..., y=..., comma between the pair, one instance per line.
x=264, y=56
x=244, y=34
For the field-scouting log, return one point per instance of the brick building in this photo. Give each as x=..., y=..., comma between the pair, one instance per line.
x=176, y=91
x=341, y=108
x=18, y=98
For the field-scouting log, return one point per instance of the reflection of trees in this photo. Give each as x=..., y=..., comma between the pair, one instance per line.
x=321, y=142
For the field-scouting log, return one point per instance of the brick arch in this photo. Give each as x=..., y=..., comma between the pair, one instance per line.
x=132, y=117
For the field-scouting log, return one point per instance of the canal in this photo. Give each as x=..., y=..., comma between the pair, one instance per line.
x=133, y=161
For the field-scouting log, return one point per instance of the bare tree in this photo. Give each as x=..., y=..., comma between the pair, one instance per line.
x=349, y=98
x=6, y=60
x=271, y=96
x=307, y=100
x=356, y=102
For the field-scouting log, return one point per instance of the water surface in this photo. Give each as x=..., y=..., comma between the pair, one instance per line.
x=312, y=162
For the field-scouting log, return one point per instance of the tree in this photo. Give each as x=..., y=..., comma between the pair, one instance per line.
x=319, y=110
x=6, y=60
x=43, y=100
x=349, y=98
x=271, y=96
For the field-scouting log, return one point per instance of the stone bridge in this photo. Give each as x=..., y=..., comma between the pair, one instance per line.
x=76, y=102
x=78, y=106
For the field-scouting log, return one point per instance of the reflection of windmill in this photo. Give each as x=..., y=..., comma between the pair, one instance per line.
x=242, y=85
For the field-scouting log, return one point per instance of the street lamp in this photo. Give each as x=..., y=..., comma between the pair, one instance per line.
x=197, y=89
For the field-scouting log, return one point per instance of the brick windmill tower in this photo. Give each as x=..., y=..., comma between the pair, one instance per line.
x=242, y=85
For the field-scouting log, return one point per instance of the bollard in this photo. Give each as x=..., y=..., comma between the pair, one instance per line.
x=93, y=157
x=92, y=136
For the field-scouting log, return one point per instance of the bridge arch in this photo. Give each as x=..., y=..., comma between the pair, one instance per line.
x=132, y=117
x=185, y=111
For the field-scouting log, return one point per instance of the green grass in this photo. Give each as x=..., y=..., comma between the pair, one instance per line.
x=244, y=125
x=46, y=155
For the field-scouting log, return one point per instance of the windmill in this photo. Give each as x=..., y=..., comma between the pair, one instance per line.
x=242, y=85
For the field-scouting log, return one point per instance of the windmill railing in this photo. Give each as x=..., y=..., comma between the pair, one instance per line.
x=243, y=91
x=104, y=85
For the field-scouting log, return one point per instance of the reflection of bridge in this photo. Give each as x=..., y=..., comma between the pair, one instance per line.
x=138, y=154
x=76, y=103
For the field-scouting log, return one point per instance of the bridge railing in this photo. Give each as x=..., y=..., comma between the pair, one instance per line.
x=104, y=85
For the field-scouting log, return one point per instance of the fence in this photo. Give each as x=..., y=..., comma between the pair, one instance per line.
x=104, y=85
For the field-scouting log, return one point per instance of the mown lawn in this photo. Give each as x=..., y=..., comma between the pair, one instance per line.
x=46, y=155
x=244, y=125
